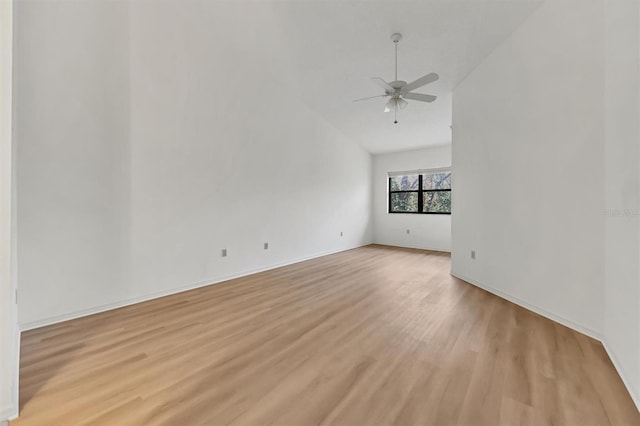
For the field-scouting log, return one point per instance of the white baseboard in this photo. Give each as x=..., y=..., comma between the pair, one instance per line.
x=538, y=310
x=216, y=280
x=625, y=379
x=8, y=413
x=440, y=249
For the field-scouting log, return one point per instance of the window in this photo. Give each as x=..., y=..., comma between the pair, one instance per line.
x=425, y=192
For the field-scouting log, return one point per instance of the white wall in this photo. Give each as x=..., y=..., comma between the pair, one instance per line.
x=224, y=154
x=9, y=341
x=622, y=190
x=432, y=232
x=149, y=142
x=527, y=166
x=549, y=122
x=72, y=98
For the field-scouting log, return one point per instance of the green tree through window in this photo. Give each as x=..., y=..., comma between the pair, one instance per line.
x=426, y=193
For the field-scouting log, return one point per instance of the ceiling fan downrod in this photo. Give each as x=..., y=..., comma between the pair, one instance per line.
x=396, y=37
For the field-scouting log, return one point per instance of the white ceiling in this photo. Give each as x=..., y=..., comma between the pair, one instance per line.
x=334, y=47
x=325, y=51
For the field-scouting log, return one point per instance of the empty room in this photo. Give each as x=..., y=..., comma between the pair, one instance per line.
x=320, y=212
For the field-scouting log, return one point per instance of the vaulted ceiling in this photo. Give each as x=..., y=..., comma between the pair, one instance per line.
x=324, y=52
x=336, y=46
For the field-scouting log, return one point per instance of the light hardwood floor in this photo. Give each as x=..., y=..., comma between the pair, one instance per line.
x=371, y=336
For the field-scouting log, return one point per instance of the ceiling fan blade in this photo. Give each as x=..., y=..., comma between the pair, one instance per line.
x=371, y=97
x=424, y=80
x=419, y=97
x=380, y=82
x=402, y=103
x=390, y=105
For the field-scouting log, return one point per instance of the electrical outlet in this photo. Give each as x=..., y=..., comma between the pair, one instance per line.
x=224, y=252
x=266, y=246
x=408, y=231
x=341, y=233
x=473, y=254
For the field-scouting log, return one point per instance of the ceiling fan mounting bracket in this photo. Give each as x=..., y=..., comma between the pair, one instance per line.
x=396, y=37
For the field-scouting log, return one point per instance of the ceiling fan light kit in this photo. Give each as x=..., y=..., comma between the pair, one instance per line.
x=398, y=90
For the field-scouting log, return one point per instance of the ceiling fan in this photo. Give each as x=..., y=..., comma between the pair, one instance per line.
x=399, y=90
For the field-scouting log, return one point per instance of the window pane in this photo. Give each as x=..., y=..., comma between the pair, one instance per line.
x=404, y=202
x=404, y=183
x=440, y=180
x=436, y=202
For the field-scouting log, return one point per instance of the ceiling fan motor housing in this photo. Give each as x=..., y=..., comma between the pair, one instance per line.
x=398, y=85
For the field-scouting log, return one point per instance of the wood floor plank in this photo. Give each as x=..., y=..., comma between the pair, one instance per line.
x=371, y=336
